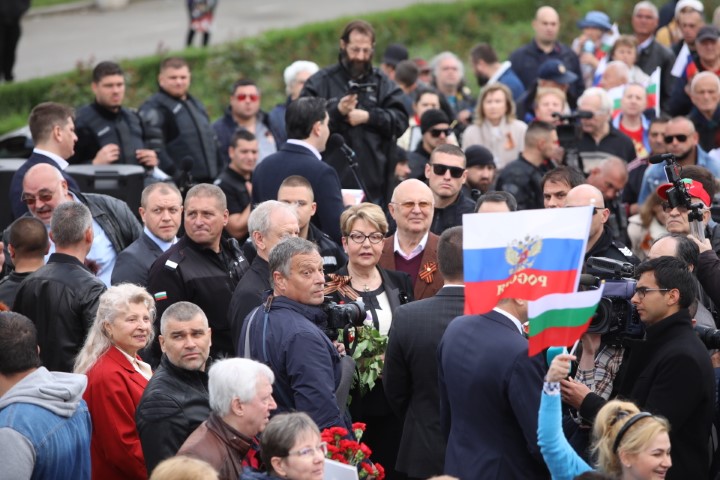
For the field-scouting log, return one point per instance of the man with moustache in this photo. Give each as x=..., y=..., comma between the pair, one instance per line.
x=370, y=120
x=481, y=170
x=176, y=401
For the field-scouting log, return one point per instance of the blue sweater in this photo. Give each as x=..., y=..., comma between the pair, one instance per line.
x=560, y=458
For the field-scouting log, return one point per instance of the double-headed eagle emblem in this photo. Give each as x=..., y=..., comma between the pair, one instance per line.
x=520, y=254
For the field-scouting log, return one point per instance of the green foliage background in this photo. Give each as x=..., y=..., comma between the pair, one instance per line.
x=426, y=29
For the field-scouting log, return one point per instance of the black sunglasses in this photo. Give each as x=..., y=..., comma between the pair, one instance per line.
x=436, y=132
x=440, y=169
x=680, y=138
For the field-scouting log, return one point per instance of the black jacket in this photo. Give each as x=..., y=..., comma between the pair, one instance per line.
x=373, y=142
x=523, y=180
x=189, y=272
x=607, y=247
x=174, y=404
x=133, y=264
x=115, y=217
x=656, y=55
x=333, y=256
x=451, y=216
x=248, y=294
x=61, y=298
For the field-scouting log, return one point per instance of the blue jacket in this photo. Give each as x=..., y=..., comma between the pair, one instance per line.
x=655, y=174
x=45, y=427
x=305, y=362
x=559, y=456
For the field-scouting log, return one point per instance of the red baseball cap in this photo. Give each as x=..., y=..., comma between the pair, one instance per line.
x=694, y=188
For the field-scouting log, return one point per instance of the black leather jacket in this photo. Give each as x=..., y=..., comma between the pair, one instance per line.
x=174, y=404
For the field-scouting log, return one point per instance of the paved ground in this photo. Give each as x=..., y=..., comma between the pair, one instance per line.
x=56, y=43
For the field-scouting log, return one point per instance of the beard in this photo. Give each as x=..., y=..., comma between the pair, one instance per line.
x=481, y=79
x=356, y=69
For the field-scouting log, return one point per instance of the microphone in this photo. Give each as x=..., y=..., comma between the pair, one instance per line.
x=661, y=158
x=337, y=141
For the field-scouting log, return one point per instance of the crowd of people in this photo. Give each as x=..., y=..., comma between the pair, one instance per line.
x=198, y=337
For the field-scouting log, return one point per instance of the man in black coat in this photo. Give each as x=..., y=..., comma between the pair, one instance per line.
x=161, y=213
x=176, y=399
x=446, y=175
x=670, y=372
x=410, y=372
x=307, y=127
x=366, y=108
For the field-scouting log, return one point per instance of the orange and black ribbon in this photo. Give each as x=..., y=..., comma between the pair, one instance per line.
x=426, y=273
x=340, y=283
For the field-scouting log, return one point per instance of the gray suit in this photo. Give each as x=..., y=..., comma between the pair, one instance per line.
x=133, y=264
x=411, y=382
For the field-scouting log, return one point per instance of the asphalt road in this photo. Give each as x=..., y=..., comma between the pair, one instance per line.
x=58, y=42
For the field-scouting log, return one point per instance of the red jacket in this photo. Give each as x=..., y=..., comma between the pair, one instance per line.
x=113, y=393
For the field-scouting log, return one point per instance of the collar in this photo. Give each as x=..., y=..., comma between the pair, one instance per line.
x=164, y=246
x=512, y=318
x=61, y=162
x=187, y=375
x=646, y=43
x=228, y=434
x=662, y=329
x=305, y=144
x=504, y=67
x=65, y=258
x=141, y=367
x=312, y=313
x=416, y=251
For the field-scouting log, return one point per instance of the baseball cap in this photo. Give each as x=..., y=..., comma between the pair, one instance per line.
x=708, y=32
x=431, y=118
x=394, y=54
x=694, y=188
x=554, y=70
x=479, y=156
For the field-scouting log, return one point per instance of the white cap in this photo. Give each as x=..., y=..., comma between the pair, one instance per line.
x=694, y=4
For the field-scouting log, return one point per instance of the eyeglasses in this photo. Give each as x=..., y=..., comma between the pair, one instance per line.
x=358, y=50
x=44, y=196
x=436, y=132
x=375, y=237
x=244, y=96
x=440, y=169
x=680, y=138
x=422, y=205
x=642, y=291
x=310, y=451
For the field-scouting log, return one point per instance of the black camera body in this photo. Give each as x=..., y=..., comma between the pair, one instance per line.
x=569, y=134
x=355, y=88
x=616, y=318
x=709, y=336
x=342, y=316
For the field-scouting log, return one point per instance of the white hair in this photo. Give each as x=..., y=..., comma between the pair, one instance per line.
x=437, y=59
x=699, y=76
x=605, y=101
x=645, y=5
x=234, y=378
x=621, y=67
x=296, y=67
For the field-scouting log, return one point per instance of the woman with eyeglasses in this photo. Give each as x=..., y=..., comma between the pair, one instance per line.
x=117, y=378
x=628, y=444
x=496, y=127
x=290, y=448
x=364, y=227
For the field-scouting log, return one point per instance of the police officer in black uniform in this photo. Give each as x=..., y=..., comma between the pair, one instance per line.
x=203, y=267
x=110, y=133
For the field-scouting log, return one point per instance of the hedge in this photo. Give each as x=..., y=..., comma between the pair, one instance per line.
x=425, y=29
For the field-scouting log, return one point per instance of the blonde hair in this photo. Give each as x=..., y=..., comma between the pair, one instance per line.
x=545, y=91
x=184, y=468
x=369, y=212
x=509, y=103
x=113, y=303
x=608, y=423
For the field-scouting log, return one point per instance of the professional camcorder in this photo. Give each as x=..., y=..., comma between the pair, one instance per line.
x=342, y=316
x=569, y=135
x=616, y=318
x=355, y=87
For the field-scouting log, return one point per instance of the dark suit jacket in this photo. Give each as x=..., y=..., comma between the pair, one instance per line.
x=297, y=160
x=133, y=264
x=410, y=379
x=16, y=186
x=489, y=400
x=421, y=289
x=247, y=295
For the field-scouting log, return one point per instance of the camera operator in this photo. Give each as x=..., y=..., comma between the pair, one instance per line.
x=283, y=333
x=669, y=373
x=598, y=134
x=600, y=240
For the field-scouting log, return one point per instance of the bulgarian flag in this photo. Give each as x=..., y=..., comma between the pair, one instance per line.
x=560, y=319
x=652, y=89
x=525, y=255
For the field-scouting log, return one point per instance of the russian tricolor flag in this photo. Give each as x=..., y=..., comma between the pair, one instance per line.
x=526, y=254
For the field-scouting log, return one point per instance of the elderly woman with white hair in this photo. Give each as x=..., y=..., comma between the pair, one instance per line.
x=117, y=378
x=294, y=76
x=240, y=402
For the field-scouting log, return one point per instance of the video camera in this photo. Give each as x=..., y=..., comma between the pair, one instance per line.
x=569, y=134
x=616, y=318
x=709, y=336
x=678, y=195
x=356, y=88
x=342, y=317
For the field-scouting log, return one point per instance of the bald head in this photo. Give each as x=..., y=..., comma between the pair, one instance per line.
x=411, y=186
x=412, y=208
x=44, y=188
x=546, y=25
x=584, y=195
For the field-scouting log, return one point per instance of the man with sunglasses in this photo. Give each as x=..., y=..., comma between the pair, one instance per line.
x=523, y=177
x=446, y=176
x=244, y=113
x=682, y=141
x=435, y=130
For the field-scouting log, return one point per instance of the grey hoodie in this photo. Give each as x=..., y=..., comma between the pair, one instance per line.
x=58, y=392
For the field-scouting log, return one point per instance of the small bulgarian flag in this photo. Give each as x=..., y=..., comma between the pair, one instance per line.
x=560, y=319
x=652, y=89
x=160, y=296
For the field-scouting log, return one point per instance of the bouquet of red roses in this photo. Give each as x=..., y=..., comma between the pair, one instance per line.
x=352, y=452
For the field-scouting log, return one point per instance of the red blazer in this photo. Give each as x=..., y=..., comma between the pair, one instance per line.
x=422, y=289
x=113, y=393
